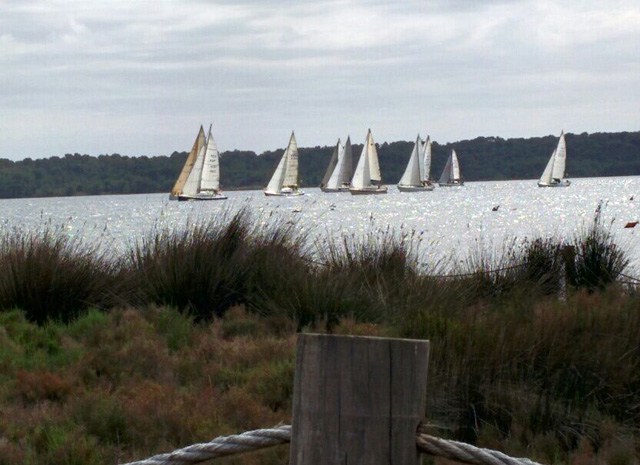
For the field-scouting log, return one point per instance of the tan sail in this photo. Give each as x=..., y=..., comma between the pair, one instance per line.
x=188, y=164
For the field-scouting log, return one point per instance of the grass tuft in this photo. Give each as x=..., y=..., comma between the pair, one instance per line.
x=53, y=277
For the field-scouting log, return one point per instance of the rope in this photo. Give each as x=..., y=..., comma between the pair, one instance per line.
x=480, y=272
x=262, y=438
x=461, y=452
x=631, y=278
x=221, y=446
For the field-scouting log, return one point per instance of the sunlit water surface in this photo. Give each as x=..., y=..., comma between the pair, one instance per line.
x=451, y=222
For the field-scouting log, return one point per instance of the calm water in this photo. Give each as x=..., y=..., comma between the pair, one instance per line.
x=451, y=220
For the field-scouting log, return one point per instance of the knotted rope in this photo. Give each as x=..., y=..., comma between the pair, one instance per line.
x=262, y=438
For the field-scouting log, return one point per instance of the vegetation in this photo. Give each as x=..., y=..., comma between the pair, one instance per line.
x=483, y=158
x=145, y=361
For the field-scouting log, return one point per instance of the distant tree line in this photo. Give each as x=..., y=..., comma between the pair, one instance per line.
x=482, y=158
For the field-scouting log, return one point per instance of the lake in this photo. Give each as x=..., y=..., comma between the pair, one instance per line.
x=452, y=221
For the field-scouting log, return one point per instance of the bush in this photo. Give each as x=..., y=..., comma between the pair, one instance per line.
x=53, y=277
x=200, y=270
x=595, y=260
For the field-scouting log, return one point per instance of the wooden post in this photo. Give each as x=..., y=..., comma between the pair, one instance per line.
x=358, y=400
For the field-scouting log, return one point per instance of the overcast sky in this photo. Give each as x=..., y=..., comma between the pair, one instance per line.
x=139, y=77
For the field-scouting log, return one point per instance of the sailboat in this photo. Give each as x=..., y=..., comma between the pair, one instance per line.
x=416, y=174
x=367, y=178
x=451, y=175
x=554, y=172
x=337, y=178
x=284, y=181
x=200, y=176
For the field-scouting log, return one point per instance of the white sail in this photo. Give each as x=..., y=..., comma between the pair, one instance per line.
x=361, y=176
x=275, y=184
x=411, y=175
x=291, y=171
x=210, y=179
x=374, y=165
x=426, y=160
x=455, y=166
x=554, y=173
x=546, y=174
x=334, y=181
x=451, y=175
x=331, y=169
x=363, y=181
x=285, y=178
x=560, y=159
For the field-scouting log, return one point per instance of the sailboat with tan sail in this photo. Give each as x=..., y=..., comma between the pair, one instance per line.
x=200, y=176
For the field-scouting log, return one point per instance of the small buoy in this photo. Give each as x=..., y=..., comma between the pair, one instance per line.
x=631, y=198
x=631, y=224
x=495, y=209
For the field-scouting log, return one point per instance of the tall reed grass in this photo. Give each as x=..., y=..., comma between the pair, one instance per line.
x=595, y=260
x=239, y=258
x=200, y=269
x=51, y=276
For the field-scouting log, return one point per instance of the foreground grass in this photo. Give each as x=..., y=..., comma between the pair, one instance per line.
x=556, y=381
x=191, y=335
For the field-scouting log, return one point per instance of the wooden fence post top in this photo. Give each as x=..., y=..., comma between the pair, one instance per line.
x=358, y=400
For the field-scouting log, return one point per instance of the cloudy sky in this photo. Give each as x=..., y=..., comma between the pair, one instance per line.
x=139, y=77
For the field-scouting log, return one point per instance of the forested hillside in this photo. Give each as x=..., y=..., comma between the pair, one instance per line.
x=483, y=158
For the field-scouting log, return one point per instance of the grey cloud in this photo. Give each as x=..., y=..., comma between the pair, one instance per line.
x=465, y=68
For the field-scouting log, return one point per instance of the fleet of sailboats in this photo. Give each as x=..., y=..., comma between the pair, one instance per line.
x=451, y=174
x=285, y=180
x=367, y=178
x=200, y=175
x=199, y=178
x=416, y=177
x=337, y=178
x=554, y=173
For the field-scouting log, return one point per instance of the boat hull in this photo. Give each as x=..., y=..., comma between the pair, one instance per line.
x=283, y=194
x=335, y=189
x=199, y=197
x=450, y=184
x=427, y=188
x=368, y=190
x=564, y=183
